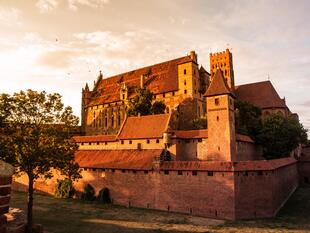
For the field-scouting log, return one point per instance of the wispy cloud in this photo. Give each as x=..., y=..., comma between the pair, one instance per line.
x=10, y=16
x=74, y=4
x=46, y=5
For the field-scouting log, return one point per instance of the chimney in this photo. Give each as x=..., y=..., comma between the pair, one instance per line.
x=141, y=81
x=193, y=56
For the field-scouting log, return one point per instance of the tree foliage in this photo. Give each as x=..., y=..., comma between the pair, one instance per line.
x=200, y=123
x=36, y=136
x=64, y=188
x=143, y=104
x=280, y=135
x=248, y=119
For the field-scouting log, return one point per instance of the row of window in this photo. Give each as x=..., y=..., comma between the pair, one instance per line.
x=148, y=141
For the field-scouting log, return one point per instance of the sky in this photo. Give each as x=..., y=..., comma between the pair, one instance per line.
x=59, y=45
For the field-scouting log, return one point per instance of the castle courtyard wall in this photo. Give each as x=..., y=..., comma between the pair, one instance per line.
x=221, y=190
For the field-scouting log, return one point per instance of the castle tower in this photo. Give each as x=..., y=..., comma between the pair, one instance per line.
x=223, y=60
x=86, y=94
x=221, y=144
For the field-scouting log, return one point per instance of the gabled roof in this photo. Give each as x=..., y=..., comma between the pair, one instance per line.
x=218, y=85
x=161, y=78
x=261, y=94
x=117, y=159
x=151, y=126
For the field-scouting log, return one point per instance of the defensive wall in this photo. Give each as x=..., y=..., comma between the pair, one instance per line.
x=224, y=190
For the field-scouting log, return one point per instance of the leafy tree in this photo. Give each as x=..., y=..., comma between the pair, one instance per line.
x=248, y=119
x=36, y=136
x=64, y=188
x=280, y=135
x=142, y=104
x=200, y=123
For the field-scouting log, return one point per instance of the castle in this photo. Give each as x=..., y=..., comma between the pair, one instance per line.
x=213, y=172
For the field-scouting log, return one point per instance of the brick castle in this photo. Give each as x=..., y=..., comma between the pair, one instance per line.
x=214, y=172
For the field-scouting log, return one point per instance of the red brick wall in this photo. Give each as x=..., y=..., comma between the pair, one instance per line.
x=225, y=194
x=262, y=193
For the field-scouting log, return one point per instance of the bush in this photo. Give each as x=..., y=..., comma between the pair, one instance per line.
x=89, y=193
x=64, y=189
x=104, y=196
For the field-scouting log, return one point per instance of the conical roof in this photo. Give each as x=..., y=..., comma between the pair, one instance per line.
x=218, y=85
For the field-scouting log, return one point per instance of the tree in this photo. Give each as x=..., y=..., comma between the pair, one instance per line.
x=142, y=104
x=248, y=119
x=280, y=135
x=200, y=123
x=36, y=136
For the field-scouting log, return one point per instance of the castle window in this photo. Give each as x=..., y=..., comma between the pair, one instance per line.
x=146, y=172
x=217, y=118
x=166, y=172
x=164, y=95
x=123, y=170
x=105, y=143
x=134, y=171
x=185, y=91
x=260, y=173
x=157, y=140
x=148, y=141
x=122, y=141
x=173, y=93
x=210, y=173
x=130, y=142
x=113, y=170
x=184, y=71
x=89, y=143
x=180, y=173
x=123, y=96
x=97, y=143
x=218, y=148
x=82, y=143
x=216, y=101
x=184, y=82
x=194, y=173
x=199, y=139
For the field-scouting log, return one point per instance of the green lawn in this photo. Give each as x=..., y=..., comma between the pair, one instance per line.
x=75, y=216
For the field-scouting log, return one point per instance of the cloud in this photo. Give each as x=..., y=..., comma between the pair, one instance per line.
x=46, y=5
x=73, y=4
x=10, y=16
x=57, y=59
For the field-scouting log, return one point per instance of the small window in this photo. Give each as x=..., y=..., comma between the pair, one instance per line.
x=246, y=173
x=199, y=139
x=97, y=143
x=184, y=82
x=180, y=173
x=164, y=95
x=210, y=173
x=260, y=173
x=146, y=172
x=157, y=140
x=105, y=143
x=113, y=170
x=185, y=91
x=218, y=148
x=123, y=96
x=134, y=171
x=89, y=143
x=173, y=93
x=82, y=143
x=217, y=118
x=130, y=142
x=166, y=172
x=122, y=141
x=194, y=173
x=123, y=170
x=148, y=141
x=94, y=169
x=216, y=101
x=184, y=71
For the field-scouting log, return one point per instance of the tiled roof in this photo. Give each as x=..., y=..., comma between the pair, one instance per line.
x=151, y=126
x=255, y=165
x=261, y=94
x=218, y=85
x=117, y=159
x=98, y=138
x=202, y=133
x=162, y=77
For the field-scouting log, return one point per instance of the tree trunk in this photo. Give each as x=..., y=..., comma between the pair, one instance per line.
x=30, y=204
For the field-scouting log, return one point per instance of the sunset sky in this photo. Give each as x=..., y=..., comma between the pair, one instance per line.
x=59, y=45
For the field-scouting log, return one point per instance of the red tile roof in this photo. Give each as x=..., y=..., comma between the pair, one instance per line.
x=255, y=165
x=218, y=85
x=163, y=77
x=117, y=159
x=202, y=133
x=151, y=126
x=98, y=138
x=261, y=94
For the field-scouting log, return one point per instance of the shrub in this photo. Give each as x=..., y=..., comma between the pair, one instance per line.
x=64, y=189
x=104, y=196
x=89, y=193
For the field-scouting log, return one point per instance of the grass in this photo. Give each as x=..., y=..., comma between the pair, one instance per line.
x=75, y=216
